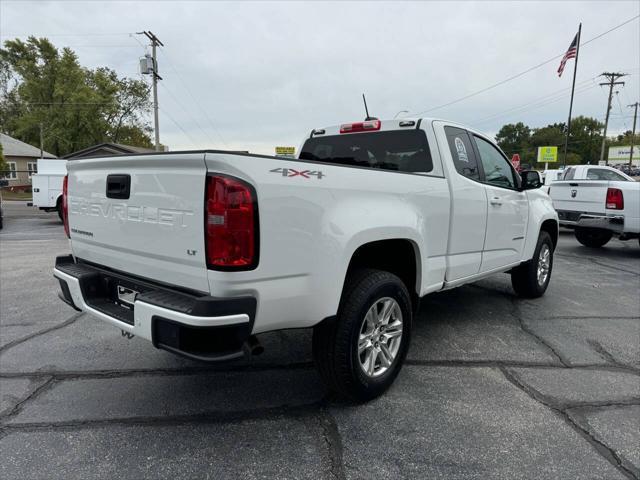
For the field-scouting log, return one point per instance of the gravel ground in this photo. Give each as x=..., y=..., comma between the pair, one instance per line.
x=494, y=386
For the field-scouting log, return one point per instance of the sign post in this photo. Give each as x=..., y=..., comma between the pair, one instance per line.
x=547, y=155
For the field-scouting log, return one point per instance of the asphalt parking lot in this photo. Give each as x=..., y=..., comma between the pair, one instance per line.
x=494, y=386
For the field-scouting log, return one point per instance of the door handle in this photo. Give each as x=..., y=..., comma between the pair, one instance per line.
x=495, y=201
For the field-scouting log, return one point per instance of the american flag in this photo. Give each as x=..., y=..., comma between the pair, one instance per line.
x=571, y=53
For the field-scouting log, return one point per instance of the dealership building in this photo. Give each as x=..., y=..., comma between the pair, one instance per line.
x=620, y=155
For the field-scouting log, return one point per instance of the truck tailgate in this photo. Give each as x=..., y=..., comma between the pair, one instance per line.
x=585, y=196
x=155, y=230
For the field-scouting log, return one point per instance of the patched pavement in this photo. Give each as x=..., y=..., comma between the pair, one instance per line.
x=494, y=386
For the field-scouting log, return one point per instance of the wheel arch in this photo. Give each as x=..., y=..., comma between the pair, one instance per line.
x=399, y=256
x=551, y=227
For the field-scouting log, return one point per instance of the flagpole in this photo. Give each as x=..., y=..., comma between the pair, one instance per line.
x=573, y=86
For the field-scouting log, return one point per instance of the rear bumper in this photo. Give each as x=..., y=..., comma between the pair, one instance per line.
x=197, y=326
x=614, y=223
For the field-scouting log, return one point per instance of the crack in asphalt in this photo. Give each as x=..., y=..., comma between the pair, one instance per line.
x=517, y=314
x=600, y=350
x=599, y=263
x=578, y=416
x=57, y=326
x=99, y=374
x=17, y=408
x=314, y=411
x=112, y=373
x=333, y=439
x=186, y=371
x=600, y=446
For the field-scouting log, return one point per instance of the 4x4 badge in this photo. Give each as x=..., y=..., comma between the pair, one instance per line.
x=290, y=172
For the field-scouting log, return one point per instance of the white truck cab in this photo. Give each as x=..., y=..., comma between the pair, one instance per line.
x=199, y=252
x=47, y=185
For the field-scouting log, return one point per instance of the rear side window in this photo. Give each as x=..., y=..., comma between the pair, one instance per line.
x=398, y=150
x=569, y=174
x=462, y=152
x=604, y=174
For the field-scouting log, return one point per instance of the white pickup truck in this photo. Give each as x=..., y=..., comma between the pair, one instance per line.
x=200, y=251
x=598, y=202
x=47, y=185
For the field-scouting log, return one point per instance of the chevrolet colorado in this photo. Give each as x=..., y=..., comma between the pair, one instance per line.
x=597, y=202
x=198, y=252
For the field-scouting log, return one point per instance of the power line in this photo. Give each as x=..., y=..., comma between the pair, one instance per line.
x=175, y=99
x=193, y=142
x=518, y=75
x=621, y=114
x=91, y=34
x=198, y=104
x=544, y=100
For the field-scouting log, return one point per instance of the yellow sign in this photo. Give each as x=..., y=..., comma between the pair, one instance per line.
x=285, y=151
x=547, y=154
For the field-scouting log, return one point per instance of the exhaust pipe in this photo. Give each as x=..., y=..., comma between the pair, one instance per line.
x=254, y=346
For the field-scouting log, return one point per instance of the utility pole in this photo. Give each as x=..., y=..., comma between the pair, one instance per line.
x=612, y=81
x=42, y=140
x=155, y=42
x=633, y=132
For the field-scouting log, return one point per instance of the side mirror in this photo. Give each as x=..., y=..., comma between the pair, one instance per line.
x=530, y=179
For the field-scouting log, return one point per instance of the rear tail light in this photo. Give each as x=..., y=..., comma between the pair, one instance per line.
x=231, y=224
x=615, y=199
x=368, y=126
x=65, y=205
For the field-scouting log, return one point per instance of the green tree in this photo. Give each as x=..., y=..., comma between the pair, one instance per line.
x=585, y=139
x=624, y=139
x=514, y=138
x=3, y=164
x=77, y=107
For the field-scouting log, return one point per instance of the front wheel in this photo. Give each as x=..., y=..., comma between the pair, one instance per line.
x=593, y=237
x=360, y=353
x=531, y=279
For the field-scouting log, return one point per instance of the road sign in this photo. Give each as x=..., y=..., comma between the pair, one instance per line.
x=285, y=151
x=515, y=161
x=547, y=154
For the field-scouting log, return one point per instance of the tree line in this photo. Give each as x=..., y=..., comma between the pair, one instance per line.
x=585, y=140
x=76, y=107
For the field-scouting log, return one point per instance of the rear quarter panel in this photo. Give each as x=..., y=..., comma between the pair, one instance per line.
x=310, y=228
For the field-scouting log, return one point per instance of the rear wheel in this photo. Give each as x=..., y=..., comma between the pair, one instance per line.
x=360, y=353
x=593, y=237
x=531, y=279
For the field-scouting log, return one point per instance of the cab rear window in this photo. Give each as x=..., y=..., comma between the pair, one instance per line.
x=397, y=150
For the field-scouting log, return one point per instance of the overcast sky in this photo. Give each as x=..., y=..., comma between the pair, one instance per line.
x=252, y=75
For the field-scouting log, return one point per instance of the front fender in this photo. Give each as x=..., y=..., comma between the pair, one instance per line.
x=540, y=210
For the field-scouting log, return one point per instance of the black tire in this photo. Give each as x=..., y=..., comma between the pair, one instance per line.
x=593, y=237
x=524, y=278
x=59, y=209
x=335, y=342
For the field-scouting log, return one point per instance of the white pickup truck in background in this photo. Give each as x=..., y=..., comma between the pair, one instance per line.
x=199, y=252
x=598, y=202
x=47, y=185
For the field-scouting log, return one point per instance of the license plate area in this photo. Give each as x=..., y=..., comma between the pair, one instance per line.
x=125, y=296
